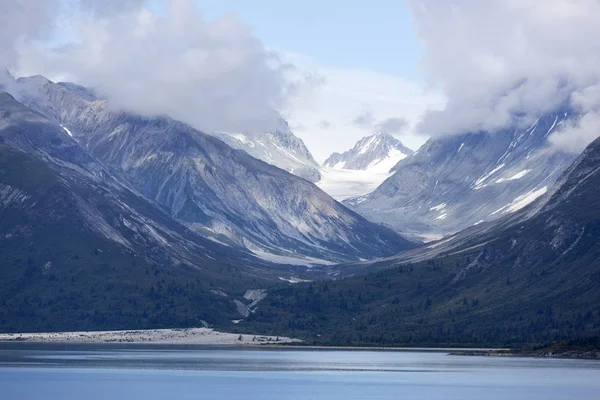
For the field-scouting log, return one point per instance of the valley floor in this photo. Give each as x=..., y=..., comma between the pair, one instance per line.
x=159, y=336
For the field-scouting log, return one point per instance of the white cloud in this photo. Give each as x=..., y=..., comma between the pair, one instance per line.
x=504, y=62
x=214, y=75
x=354, y=102
x=393, y=126
x=21, y=20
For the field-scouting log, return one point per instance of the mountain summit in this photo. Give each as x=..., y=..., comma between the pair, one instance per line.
x=377, y=153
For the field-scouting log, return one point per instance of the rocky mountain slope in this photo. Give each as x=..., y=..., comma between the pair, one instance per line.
x=280, y=148
x=376, y=153
x=217, y=191
x=455, y=182
x=81, y=249
x=529, y=277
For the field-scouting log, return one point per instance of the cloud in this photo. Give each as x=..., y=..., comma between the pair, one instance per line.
x=365, y=120
x=22, y=20
x=505, y=62
x=393, y=126
x=326, y=125
x=576, y=134
x=347, y=95
x=214, y=74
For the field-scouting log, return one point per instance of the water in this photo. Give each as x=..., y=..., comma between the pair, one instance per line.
x=53, y=372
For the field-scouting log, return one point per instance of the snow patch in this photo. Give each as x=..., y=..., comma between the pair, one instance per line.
x=282, y=259
x=479, y=182
x=439, y=207
x=522, y=201
x=516, y=176
x=385, y=164
x=66, y=130
x=442, y=217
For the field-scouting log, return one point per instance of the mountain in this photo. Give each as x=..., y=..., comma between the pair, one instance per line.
x=377, y=153
x=280, y=148
x=213, y=189
x=454, y=182
x=81, y=249
x=530, y=277
x=362, y=169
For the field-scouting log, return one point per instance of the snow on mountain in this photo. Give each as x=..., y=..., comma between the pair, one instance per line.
x=455, y=182
x=342, y=184
x=215, y=190
x=280, y=148
x=377, y=153
x=363, y=168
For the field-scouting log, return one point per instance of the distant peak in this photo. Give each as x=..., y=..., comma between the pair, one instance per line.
x=379, y=151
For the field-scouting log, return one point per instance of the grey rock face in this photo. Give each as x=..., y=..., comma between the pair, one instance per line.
x=69, y=186
x=369, y=152
x=215, y=190
x=280, y=148
x=455, y=182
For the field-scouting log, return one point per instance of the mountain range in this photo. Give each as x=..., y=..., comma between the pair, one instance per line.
x=529, y=277
x=217, y=191
x=454, y=182
x=116, y=220
x=80, y=242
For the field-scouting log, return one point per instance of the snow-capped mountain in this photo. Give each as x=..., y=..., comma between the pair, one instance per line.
x=280, y=148
x=376, y=153
x=454, y=182
x=363, y=168
x=213, y=189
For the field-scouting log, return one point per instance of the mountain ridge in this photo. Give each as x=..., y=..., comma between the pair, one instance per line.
x=280, y=148
x=220, y=192
x=454, y=182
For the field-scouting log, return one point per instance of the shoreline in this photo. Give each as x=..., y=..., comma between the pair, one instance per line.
x=384, y=348
x=183, y=336
x=568, y=355
x=211, y=337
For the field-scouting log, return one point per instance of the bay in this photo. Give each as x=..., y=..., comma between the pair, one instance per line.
x=53, y=372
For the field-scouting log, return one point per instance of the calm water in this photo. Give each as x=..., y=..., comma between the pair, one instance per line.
x=114, y=372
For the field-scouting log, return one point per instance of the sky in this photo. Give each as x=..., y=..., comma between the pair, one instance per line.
x=336, y=70
x=366, y=54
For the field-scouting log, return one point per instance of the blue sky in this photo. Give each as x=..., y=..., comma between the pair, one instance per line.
x=377, y=35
